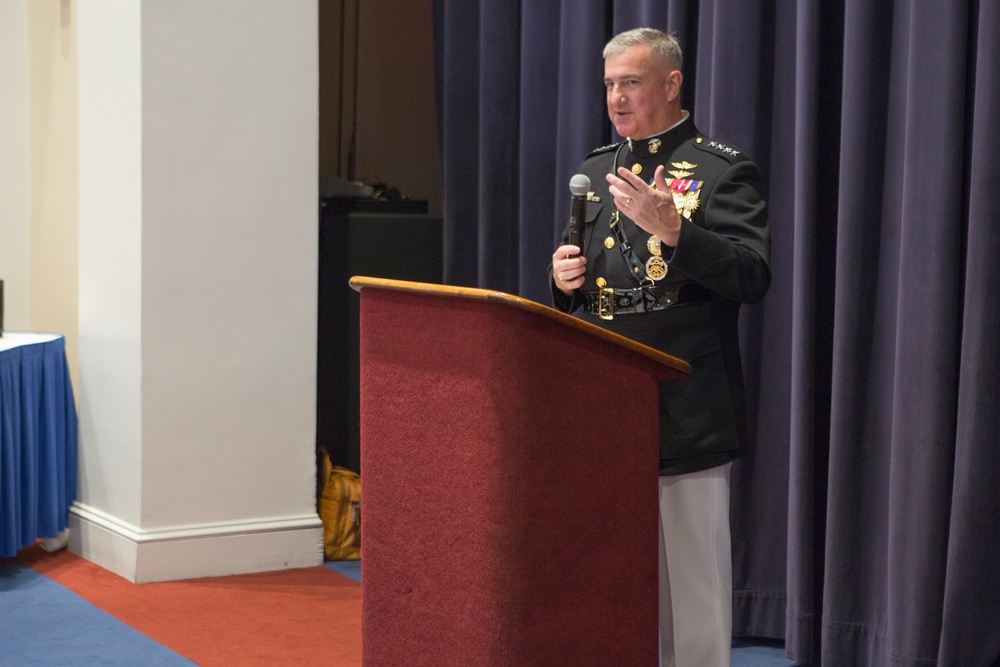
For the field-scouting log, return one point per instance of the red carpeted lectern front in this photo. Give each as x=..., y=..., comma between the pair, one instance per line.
x=509, y=473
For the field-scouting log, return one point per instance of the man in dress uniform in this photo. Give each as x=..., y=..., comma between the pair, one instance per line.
x=676, y=238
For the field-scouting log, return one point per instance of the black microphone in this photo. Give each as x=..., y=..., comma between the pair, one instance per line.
x=579, y=185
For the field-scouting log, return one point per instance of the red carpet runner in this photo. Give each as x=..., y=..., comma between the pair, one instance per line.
x=309, y=616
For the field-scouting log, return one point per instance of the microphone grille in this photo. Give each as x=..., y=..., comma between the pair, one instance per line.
x=579, y=185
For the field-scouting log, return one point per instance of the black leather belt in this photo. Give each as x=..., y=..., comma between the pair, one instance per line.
x=607, y=302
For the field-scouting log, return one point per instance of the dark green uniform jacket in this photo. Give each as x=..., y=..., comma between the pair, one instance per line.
x=720, y=262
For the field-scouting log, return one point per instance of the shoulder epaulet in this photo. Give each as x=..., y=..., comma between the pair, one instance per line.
x=718, y=148
x=604, y=149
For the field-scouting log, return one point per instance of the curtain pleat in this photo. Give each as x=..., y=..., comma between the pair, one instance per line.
x=536, y=193
x=864, y=520
x=457, y=31
x=807, y=381
x=971, y=587
x=498, y=125
x=928, y=328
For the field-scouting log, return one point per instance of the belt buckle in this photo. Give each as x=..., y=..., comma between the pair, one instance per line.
x=606, y=303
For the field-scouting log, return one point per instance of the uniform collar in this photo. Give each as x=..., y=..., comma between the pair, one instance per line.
x=664, y=143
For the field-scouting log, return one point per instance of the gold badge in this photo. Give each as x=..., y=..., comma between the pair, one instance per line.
x=601, y=282
x=682, y=169
x=636, y=168
x=656, y=268
x=609, y=243
x=653, y=245
x=654, y=146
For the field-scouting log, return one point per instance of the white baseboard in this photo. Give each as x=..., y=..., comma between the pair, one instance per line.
x=190, y=552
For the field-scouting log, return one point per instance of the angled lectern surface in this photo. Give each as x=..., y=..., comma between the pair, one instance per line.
x=509, y=465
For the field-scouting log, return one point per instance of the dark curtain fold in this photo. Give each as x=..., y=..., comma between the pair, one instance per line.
x=971, y=589
x=865, y=521
x=499, y=97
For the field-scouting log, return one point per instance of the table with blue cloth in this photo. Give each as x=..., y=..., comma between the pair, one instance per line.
x=38, y=425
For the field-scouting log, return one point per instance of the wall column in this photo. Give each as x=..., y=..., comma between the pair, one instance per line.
x=197, y=287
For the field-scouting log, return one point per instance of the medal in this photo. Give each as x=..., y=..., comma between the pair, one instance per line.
x=686, y=194
x=686, y=202
x=653, y=245
x=656, y=268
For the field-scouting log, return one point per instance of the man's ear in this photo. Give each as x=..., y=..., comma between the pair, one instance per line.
x=674, y=81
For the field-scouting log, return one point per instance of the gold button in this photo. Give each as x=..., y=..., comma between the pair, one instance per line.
x=609, y=243
x=601, y=282
x=636, y=168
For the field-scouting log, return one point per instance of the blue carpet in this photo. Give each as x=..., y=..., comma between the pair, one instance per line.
x=769, y=655
x=46, y=624
x=349, y=568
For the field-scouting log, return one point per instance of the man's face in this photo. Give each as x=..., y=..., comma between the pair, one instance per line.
x=642, y=93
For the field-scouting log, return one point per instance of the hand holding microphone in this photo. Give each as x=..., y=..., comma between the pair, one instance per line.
x=568, y=262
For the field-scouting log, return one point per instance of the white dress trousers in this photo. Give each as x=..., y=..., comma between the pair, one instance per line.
x=696, y=573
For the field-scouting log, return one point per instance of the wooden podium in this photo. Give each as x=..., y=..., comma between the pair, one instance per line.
x=509, y=463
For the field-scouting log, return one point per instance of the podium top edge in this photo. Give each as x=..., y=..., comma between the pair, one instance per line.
x=672, y=367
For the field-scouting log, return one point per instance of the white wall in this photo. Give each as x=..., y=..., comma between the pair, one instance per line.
x=53, y=203
x=14, y=162
x=198, y=274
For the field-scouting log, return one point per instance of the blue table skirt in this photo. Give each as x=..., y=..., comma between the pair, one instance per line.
x=38, y=431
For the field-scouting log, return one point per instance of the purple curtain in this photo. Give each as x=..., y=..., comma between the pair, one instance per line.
x=866, y=522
